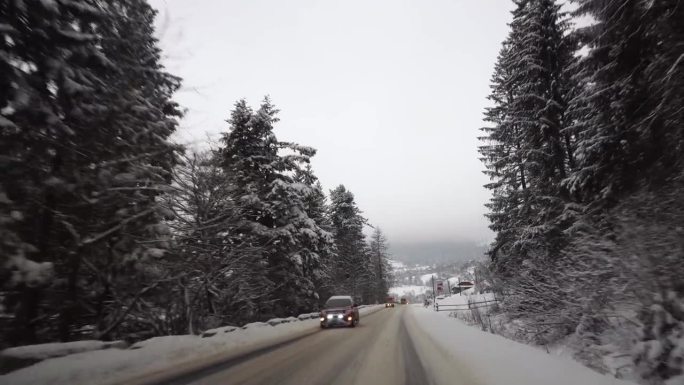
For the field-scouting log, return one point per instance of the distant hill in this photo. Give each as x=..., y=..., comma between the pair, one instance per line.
x=428, y=253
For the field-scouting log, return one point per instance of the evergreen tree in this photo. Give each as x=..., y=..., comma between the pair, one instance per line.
x=527, y=152
x=275, y=213
x=139, y=94
x=210, y=259
x=630, y=163
x=316, y=206
x=586, y=164
x=631, y=88
x=352, y=269
x=383, y=271
x=502, y=156
x=539, y=60
x=85, y=156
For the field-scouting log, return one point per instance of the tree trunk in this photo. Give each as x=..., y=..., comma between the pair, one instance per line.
x=24, y=331
x=70, y=307
x=188, y=310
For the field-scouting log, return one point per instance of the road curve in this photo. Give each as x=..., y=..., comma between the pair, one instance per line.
x=378, y=351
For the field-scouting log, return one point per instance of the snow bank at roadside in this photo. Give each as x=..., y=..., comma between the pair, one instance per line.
x=22, y=356
x=160, y=354
x=609, y=353
x=45, y=351
x=488, y=359
x=155, y=354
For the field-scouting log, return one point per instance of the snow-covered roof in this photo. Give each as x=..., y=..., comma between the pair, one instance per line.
x=340, y=297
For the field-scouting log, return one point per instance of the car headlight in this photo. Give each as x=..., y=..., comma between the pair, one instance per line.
x=322, y=319
x=330, y=316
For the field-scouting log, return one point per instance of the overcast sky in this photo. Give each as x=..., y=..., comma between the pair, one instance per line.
x=390, y=92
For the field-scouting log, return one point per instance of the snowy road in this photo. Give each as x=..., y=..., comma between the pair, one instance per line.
x=378, y=351
x=403, y=345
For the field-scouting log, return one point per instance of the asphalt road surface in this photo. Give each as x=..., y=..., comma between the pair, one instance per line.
x=378, y=351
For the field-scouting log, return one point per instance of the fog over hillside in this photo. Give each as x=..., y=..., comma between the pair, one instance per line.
x=436, y=252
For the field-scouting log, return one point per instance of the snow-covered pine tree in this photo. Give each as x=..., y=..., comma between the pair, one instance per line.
x=538, y=59
x=526, y=151
x=316, y=207
x=610, y=101
x=379, y=252
x=28, y=113
x=313, y=244
x=316, y=202
x=502, y=157
x=247, y=156
x=85, y=155
x=632, y=86
x=209, y=257
x=352, y=271
x=664, y=133
x=630, y=163
x=141, y=96
x=263, y=171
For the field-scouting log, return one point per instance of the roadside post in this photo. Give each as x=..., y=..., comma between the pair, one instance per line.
x=434, y=297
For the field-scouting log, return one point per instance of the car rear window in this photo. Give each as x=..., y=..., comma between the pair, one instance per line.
x=338, y=302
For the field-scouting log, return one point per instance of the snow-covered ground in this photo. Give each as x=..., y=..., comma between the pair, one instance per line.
x=161, y=354
x=45, y=351
x=399, y=267
x=408, y=290
x=396, y=265
x=616, y=363
x=450, y=351
x=462, y=299
x=427, y=278
x=469, y=307
x=475, y=357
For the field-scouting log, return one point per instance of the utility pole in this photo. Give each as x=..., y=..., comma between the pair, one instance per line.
x=449, y=287
x=434, y=298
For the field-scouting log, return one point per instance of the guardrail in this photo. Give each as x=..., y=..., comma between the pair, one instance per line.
x=466, y=306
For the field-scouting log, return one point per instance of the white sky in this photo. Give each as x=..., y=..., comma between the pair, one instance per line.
x=390, y=92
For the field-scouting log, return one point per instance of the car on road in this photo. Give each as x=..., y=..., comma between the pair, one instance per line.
x=390, y=302
x=404, y=301
x=339, y=310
